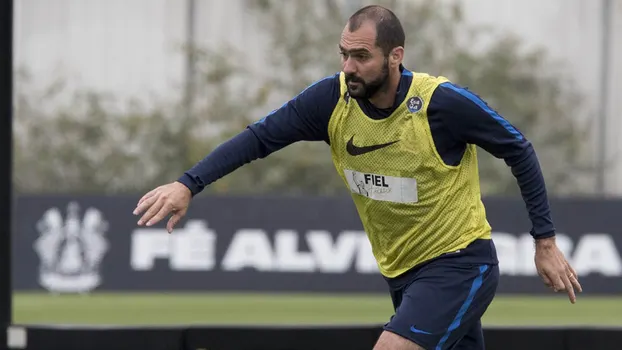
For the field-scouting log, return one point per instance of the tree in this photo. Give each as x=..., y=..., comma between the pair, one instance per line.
x=84, y=145
x=89, y=146
x=524, y=86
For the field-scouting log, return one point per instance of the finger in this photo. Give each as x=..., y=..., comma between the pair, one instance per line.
x=153, y=209
x=558, y=282
x=173, y=221
x=146, y=204
x=575, y=284
x=569, y=289
x=165, y=209
x=547, y=281
x=147, y=196
x=575, y=278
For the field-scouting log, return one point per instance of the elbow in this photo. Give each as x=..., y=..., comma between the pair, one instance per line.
x=526, y=154
x=261, y=148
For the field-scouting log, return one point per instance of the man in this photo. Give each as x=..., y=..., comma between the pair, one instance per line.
x=404, y=143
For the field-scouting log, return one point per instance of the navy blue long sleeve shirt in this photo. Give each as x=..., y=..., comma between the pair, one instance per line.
x=457, y=117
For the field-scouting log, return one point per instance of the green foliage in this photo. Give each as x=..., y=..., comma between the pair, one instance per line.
x=84, y=145
x=87, y=145
x=524, y=86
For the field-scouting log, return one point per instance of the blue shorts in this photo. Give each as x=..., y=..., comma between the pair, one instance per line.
x=439, y=305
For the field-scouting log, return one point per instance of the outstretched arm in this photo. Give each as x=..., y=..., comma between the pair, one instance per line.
x=303, y=118
x=470, y=120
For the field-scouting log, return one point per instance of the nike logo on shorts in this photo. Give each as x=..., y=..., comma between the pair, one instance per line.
x=415, y=330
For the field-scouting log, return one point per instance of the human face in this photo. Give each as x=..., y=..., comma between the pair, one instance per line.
x=365, y=66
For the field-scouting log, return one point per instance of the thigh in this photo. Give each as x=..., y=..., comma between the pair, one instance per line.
x=443, y=303
x=392, y=341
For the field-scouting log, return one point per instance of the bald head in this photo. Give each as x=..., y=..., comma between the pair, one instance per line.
x=389, y=31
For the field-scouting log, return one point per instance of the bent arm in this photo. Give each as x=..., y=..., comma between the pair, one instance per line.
x=303, y=118
x=472, y=121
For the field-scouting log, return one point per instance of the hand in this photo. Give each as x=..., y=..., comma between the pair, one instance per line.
x=554, y=269
x=171, y=198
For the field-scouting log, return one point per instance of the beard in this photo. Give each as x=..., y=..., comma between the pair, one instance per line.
x=366, y=90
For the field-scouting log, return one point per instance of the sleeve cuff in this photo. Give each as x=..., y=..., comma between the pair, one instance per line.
x=548, y=234
x=189, y=182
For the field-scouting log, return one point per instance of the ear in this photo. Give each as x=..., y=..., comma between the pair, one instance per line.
x=396, y=56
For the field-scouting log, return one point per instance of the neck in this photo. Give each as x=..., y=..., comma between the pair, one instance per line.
x=385, y=97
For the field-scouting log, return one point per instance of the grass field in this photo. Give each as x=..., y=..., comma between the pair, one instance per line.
x=174, y=309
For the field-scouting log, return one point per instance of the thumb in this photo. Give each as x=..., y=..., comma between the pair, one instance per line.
x=174, y=220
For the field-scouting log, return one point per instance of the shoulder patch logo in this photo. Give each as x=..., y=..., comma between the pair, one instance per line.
x=414, y=104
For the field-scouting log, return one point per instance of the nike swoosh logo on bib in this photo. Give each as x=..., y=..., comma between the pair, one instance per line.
x=357, y=151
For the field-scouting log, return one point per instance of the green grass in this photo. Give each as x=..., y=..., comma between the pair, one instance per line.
x=231, y=308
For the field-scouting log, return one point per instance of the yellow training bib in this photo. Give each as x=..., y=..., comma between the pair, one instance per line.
x=412, y=205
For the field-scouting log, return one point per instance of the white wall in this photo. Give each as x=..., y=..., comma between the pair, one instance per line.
x=130, y=48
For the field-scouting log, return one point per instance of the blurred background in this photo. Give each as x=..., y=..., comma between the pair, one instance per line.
x=113, y=98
